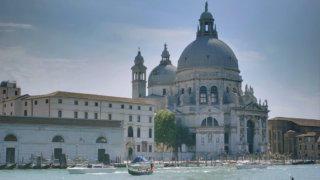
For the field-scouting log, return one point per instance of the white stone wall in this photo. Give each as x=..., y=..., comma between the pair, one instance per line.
x=210, y=140
x=10, y=91
x=158, y=90
x=68, y=107
x=79, y=141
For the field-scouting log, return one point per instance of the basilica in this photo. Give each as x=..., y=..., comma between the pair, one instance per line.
x=205, y=93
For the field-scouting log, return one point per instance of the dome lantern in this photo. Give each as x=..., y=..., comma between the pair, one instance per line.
x=165, y=56
x=206, y=23
x=138, y=59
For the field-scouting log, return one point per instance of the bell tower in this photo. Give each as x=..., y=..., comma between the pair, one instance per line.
x=138, y=77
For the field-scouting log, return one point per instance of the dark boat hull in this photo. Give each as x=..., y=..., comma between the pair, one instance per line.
x=139, y=173
x=24, y=166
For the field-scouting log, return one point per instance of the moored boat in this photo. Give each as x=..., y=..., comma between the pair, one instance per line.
x=140, y=166
x=96, y=168
x=10, y=166
x=24, y=166
x=251, y=166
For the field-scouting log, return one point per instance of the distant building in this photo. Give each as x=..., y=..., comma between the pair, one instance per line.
x=296, y=137
x=8, y=90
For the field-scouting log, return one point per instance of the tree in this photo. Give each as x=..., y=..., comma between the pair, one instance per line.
x=171, y=134
x=164, y=127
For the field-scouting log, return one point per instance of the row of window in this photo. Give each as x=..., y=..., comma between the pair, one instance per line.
x=96, y=116
x=130, y=132
x=305, y=147
x=57, y=138
x=213, y=94
x=144, y=149
x=203, y=93
x=307, y=139
x=4, y=91
x=86, y=103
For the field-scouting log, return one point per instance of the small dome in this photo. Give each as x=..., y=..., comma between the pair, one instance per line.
x=207, y=52
x=206, y=15
x=139, y=59
x=163, y=74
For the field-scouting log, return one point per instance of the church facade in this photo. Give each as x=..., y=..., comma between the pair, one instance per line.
x=205, y=93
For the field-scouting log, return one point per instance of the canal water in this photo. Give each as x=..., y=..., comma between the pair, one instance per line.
x=279, y=172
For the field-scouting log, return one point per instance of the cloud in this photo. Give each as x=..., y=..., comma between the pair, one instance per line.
x=17, y=26
x=38, y=74
x=250, y=55
x=286, y=101
x=7, y=30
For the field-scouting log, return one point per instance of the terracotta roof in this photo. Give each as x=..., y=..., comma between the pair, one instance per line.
x=63, y=94
x=59, y=121
x=16, y=97
x=307, y=134
x=299, y=121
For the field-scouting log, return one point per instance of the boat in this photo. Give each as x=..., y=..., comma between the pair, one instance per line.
x=3, y=166
x=303, y=162
x=95, y=168
x=140, y=166
x=10, y=166
x=251, y=166
x=24, y=166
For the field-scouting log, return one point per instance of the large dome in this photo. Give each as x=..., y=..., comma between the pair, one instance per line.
x=164, y=74
x=207, y=51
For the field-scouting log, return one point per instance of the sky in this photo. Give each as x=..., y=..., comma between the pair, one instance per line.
x=89, y=46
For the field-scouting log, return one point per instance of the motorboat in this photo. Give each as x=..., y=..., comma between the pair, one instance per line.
x=24, y=166
x=251, y=166
x=95, y=168
x=140, y=166
x=10, y=166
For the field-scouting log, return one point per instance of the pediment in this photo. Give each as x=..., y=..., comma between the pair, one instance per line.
x=253, y=106
x=210, y=110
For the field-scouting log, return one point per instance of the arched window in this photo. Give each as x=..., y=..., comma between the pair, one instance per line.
x=10, y=137
x=203, y=95
x=215, y=122
x=58, y=139
x=130, y=131
x=214, y=94
x=138, y=132
x=101, y=140
x=209, y=121
x=189, y=90
x=204, y=123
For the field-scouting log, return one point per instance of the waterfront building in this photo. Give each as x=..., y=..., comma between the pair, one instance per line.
x=23, y=138
x=296, y=137
x=136, y=116
x=205, y=93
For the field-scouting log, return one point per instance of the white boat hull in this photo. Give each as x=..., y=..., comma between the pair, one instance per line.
x=252, y=166
x=90, y=170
